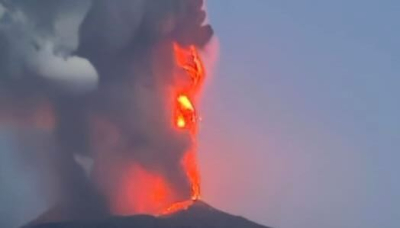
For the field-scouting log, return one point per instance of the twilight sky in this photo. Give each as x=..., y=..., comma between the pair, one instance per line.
x=301, y=121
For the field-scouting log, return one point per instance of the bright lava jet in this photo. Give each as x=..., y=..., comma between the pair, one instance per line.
x=186, y=117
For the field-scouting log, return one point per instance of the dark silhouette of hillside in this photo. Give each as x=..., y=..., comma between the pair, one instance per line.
x=199, y=215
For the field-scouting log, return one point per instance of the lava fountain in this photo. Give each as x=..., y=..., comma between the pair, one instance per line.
x=186, y=116
x=145, y=190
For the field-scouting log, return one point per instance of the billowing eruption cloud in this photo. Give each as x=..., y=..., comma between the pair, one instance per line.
x=116, y=81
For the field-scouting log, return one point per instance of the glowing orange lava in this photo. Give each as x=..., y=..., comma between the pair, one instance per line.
x=185, y=113
x=189, y=60
x=186, y=117
x=155, y=195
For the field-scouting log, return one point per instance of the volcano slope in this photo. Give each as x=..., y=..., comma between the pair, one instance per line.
x=198, y=215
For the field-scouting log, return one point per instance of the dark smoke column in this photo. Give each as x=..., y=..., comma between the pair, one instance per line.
x=138, y=151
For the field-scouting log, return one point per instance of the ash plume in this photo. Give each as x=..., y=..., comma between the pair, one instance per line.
x=103, y=71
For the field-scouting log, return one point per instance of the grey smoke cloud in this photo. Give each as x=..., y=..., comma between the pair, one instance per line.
x=35, y=67
x=102, y=66
x=33, y=30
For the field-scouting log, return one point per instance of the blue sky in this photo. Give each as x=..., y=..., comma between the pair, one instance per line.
x=301, y=117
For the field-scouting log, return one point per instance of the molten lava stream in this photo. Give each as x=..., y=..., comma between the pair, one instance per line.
x=186, y=117
x=178, y=207
x=155, y=195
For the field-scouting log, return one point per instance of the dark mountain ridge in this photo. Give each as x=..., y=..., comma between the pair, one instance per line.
x=199, y=215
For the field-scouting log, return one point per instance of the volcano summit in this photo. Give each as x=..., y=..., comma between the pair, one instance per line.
x=198, y=215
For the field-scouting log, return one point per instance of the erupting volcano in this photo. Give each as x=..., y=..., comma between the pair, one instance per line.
x=148, y=192
x=160, y=77
x=124, y=124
